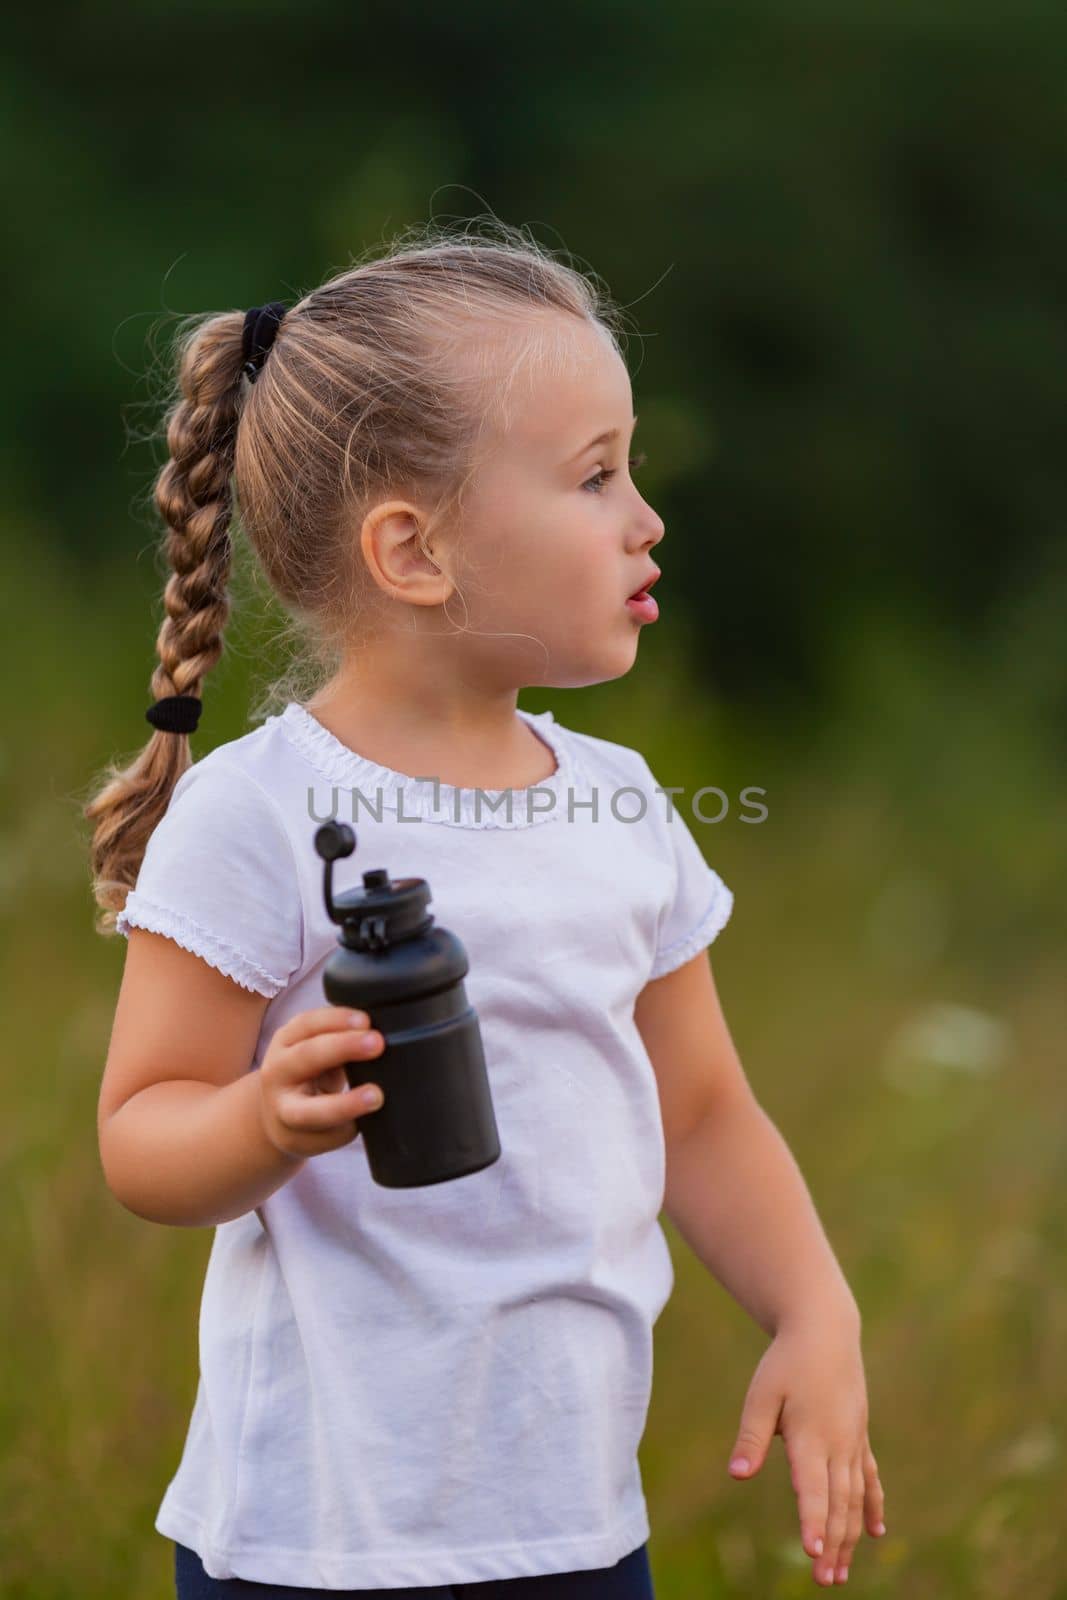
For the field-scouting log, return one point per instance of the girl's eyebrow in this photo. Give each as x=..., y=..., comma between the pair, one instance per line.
x=601, y=438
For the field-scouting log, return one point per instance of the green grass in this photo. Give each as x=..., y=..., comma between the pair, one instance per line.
x=912, y=863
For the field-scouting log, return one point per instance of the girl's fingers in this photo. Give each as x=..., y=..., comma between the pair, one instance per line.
x=840, y=1484
x=346, y=1044
x=810, y=1487
x=308, y=1023
x=855, y=1522
x=303, y=1113
x=309, y=1057
x=874, y=1505
x=333, y=1081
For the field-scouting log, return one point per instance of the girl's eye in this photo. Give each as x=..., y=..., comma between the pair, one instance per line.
x=601, y=477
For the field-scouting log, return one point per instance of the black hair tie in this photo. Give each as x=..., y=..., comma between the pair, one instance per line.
x=175, y=713
x=261, y=327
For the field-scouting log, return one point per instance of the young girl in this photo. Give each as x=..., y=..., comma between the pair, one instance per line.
x=438, y=1391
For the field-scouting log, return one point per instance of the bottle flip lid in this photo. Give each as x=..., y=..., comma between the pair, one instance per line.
x=384, y=911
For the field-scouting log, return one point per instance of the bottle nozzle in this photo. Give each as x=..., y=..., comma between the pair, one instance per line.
x=333, y=841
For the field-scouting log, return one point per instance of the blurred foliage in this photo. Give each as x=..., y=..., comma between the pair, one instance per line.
x=839, y=231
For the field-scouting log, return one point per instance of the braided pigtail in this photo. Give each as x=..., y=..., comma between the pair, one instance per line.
x=194, y=495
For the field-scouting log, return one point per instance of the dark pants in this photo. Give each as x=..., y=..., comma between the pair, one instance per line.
x=628, y=1579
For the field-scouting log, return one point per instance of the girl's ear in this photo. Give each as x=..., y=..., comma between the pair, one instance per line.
x=396, y=551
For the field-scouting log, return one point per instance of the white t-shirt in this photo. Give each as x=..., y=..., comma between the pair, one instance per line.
x=441, y=1384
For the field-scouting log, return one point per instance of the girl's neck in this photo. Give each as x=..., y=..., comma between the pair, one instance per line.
x=473, y=743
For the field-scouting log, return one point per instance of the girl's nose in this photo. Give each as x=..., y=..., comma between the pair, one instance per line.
x=652, y=529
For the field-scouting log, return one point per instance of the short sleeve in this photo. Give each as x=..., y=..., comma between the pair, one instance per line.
x=219, y=878
x=700, y=903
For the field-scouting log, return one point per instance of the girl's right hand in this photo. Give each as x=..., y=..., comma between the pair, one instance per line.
x=305, y=1101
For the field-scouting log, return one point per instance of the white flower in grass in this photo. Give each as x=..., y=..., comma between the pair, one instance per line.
x=942, y=1040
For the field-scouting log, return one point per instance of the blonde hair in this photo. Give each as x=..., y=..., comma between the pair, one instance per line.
x=386, y=379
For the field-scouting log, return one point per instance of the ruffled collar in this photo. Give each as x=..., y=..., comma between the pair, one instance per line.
x=443, y=802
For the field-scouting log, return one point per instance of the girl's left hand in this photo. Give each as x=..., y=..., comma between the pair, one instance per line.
x=810, y=1387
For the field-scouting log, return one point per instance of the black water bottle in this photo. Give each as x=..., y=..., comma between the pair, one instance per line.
x=437, y=1121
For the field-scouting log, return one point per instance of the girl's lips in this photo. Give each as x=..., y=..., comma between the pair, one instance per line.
x=642, y=606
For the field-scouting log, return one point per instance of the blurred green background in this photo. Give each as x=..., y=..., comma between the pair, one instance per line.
x=840, y=233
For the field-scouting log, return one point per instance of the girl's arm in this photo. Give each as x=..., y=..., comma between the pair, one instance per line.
x=192, y=1155
x=181, y=1136
x=733, y=1189
x=736, y=1195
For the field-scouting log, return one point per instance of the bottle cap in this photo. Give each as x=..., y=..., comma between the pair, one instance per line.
x=384, y=911
x=380, y=914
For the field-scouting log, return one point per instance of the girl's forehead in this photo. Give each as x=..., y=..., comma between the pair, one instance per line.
x=570, y=390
